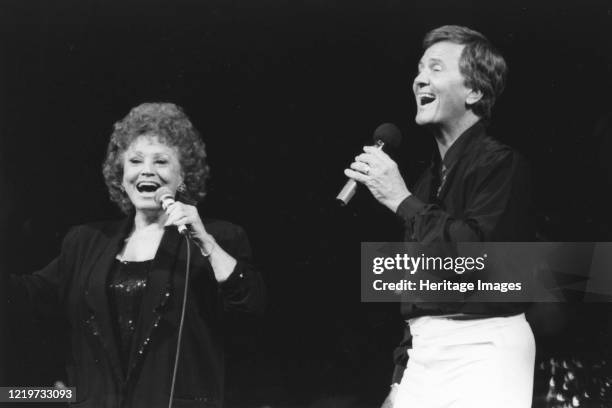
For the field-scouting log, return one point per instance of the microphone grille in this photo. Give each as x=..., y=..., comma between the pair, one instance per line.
x=162, y=193
x=389, y=134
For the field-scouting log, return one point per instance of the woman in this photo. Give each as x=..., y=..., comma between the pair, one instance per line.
x=121, y=283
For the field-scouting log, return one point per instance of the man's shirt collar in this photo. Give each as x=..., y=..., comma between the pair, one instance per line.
x=459, y=146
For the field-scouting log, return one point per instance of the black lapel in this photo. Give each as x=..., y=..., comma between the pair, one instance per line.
x=431, y=186
x=96, y=295
x=158, y=293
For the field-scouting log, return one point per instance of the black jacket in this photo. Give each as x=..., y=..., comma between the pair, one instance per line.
x=77, y=281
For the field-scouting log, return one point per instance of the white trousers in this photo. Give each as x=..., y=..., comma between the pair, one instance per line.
x=482, y=363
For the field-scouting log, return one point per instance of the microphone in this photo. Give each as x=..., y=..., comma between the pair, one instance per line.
x=385, y=134
x=165, y=197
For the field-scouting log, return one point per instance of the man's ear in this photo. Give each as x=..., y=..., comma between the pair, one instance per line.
x=472, y=97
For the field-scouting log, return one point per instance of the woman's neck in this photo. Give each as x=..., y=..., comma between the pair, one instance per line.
x=144, y=220
x=144, y=239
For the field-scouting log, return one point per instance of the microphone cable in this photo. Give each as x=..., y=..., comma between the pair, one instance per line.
x=180, y=331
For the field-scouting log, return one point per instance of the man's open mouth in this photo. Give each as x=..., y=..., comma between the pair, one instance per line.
x=147, y=187
x=426, y=99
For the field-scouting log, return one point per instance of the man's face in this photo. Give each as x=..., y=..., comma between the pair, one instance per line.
x=439, y=87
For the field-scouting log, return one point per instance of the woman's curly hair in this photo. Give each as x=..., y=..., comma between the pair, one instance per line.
x=171, y=126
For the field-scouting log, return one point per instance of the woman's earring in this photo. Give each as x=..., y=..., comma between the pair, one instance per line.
x=181, y=188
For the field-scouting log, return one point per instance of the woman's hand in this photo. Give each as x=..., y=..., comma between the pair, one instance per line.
x=184, y=214
x=179, y=213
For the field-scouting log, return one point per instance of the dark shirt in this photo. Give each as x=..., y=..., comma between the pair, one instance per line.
x=126, y=287
x=478, y=192
x=484, y=197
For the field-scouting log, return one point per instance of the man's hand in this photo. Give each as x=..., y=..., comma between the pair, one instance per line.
x=375, y=169
x=389, y=402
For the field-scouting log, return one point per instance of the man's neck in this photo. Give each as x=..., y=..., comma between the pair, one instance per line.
x=447, y=135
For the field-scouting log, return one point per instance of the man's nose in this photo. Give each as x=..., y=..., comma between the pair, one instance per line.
x=420, y=80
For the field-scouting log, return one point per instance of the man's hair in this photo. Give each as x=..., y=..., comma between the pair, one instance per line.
x=482, y=66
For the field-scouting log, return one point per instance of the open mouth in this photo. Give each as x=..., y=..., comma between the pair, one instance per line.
x=426, y=99
x=147, y=187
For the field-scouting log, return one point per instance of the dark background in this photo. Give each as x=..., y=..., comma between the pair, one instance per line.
x=285, y=94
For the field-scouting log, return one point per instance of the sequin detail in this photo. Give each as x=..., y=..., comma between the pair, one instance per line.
x=126, y=286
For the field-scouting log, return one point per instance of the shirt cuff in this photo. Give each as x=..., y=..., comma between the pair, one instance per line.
x=409, y=207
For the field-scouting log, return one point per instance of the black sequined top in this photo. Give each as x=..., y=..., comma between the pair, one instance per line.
x=127, y=282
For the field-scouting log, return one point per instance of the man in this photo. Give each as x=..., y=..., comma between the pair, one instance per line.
x=459, y=355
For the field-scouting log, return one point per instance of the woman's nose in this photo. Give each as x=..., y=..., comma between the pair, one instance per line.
x=147, y=168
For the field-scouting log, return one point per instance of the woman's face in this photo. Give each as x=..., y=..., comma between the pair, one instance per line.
x=147, y=166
